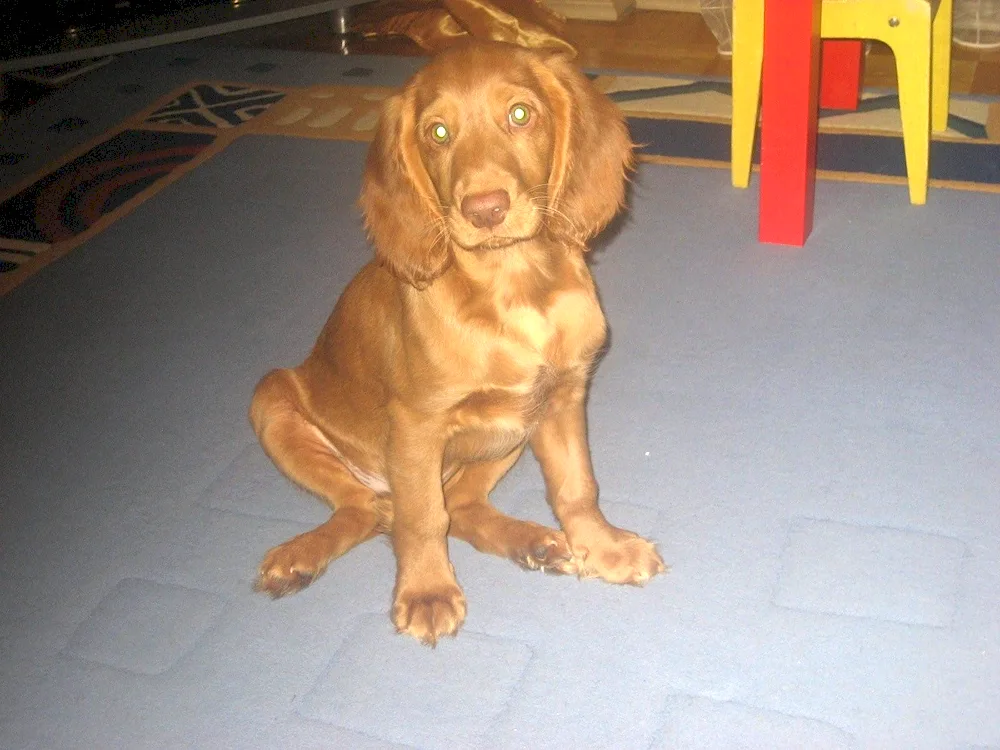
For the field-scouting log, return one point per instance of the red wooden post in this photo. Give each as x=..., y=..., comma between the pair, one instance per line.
x=789, y=110
x=840, y=73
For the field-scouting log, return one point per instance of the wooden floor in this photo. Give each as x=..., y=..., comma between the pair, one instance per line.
x=650, y=41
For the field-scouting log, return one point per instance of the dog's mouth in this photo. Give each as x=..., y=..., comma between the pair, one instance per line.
x=497, y=243
x=518, y=227
x=491, y=243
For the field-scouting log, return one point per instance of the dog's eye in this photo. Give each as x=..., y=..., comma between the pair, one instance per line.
x=439, y=133
x=519, y=115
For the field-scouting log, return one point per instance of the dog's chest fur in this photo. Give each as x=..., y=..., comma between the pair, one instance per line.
x=538, y=347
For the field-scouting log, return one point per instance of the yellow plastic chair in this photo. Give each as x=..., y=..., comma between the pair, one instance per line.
x=917, y=31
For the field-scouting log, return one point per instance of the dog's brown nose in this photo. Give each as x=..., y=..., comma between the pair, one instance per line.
x=486, y=210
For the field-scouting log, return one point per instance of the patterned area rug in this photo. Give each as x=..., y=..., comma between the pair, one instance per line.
x=95, y=185
x=674, y=120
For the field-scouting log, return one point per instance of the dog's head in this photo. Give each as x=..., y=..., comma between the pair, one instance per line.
x=487, y=146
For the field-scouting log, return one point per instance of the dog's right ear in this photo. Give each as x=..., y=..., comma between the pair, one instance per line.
x=399, y=201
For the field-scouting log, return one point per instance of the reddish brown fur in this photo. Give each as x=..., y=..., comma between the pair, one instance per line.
x=462, y=343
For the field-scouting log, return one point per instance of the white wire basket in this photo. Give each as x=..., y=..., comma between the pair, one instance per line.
x=976, y=24
x=718, y=14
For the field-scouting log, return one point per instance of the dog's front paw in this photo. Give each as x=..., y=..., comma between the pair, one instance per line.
x=429, y=613
x=618, y=556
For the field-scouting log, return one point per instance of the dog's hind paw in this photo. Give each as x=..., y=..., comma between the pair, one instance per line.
x=549, y=553
x=289, y=568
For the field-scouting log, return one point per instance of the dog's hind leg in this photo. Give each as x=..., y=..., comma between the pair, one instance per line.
x=305, y=456
x=475, y=520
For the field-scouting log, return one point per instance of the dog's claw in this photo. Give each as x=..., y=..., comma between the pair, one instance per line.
x=551, y=555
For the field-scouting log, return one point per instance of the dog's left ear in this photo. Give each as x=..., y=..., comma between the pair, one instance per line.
x=399, y=201
x=593, y=150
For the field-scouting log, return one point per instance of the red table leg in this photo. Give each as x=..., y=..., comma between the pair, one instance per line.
x=840, y=73
x=789, y=110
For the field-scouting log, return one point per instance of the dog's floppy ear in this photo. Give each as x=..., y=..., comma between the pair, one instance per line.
x=399, y=201
x=593, y=150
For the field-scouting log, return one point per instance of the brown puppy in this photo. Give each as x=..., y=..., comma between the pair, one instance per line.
x=471, y=335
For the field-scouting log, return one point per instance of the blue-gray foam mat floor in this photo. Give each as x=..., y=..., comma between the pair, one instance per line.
x=811, y=436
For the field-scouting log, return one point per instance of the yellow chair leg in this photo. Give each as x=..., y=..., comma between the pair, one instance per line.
x=913, y=73
x=748, y=55
x=923, y=71
x=941, y=65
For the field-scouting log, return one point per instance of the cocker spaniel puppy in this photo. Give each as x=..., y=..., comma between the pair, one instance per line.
x=471, y=335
